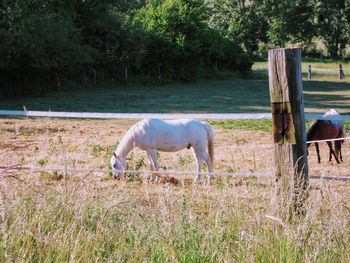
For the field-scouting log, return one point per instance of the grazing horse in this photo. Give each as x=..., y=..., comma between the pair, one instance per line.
x=151, y=135
x=331, y=128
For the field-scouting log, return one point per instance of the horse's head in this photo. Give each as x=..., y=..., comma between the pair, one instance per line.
x=118, y=164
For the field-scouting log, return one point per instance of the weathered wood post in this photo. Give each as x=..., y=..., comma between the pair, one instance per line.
x=309, y=74
x=290, y=150
x=341, y=72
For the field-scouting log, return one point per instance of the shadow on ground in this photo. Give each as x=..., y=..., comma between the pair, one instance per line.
x=225, y=96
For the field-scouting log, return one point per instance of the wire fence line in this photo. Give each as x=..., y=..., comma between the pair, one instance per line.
x=313, y=179
x=330, y=140
x=97, y=170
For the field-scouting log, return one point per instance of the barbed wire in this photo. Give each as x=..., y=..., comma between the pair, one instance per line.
x=312, y=179
x=330, y=140
x=97, y=170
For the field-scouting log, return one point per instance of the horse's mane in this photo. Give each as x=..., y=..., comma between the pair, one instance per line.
x=129, y=137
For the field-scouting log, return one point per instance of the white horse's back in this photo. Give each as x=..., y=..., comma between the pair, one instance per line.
x=333, y=117
x=169, y=136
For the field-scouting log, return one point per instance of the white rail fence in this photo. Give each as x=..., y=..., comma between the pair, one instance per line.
x=339, y=70
x=198, y=116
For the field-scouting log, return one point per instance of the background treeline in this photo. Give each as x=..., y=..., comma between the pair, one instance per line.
x=50, y=44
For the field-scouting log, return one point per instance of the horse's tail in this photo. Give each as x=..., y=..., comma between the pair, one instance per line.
x=311, y=133
x=210, y=142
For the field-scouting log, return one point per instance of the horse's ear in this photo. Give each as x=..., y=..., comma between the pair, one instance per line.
x=115, y=155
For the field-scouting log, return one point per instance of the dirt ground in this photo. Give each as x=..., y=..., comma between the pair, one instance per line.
x=88, y=143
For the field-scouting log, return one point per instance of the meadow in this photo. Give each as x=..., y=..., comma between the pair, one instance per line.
x=248, y=93
x=57, y=216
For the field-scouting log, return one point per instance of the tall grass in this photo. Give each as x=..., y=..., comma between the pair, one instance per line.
x=86, y=220
x=64, y=217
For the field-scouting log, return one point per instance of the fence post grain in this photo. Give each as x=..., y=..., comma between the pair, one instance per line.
x=290, y=150
x=341, y=72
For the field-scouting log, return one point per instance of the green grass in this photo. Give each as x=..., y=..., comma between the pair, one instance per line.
x=262, y=69
x=211, y=96
x=250, y=125
x=206, y=96
x=256, y=125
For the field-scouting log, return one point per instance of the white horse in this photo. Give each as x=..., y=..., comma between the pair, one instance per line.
x=151, y=135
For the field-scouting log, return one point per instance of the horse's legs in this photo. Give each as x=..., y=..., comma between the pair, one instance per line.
x=199, y=162
x=337, y=146
x=150, y=161
x=152, y=158
x=332, y=152
x=341, y=155
x=318, y=152
x=203, y=155
x=207, y=160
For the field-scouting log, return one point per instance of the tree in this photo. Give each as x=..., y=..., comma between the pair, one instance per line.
x=187, y=46
x=333, y=17
x=264, y=21
x=289, y=21
x=38, y=44
x=238, y=21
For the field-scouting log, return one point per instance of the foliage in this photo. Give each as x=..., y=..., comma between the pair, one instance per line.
x=183, y=45
x=267, y=21
x=38, y=44
x=333, y=19
x=243, y=23
x=289, y=21
x=47, y=44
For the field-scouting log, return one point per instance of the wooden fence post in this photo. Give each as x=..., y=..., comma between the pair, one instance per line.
x=309, y=74
x=341, y=72
x=290, y=150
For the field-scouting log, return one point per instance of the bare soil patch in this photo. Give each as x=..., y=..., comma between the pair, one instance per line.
x=88, y=144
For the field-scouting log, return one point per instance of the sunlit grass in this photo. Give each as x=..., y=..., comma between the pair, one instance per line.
x=85, y=219
x=262, y=69
x=89, y=217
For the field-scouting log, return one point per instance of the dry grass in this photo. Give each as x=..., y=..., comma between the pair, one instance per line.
x=92, y=218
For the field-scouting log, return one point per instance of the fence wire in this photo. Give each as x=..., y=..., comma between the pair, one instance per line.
x=97, y=170
x=330, y=140
x=313, y=179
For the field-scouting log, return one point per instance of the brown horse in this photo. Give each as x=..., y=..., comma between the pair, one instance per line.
x=327, y=129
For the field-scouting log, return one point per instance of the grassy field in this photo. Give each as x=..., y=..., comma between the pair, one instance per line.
x=324, y=90
x=89, y=217
x=221, y=96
